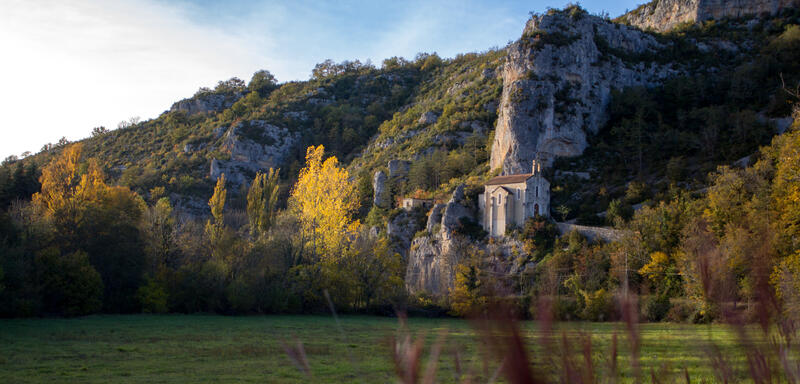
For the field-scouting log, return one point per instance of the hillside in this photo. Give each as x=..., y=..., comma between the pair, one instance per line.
x=634, y=129
x=368, y=116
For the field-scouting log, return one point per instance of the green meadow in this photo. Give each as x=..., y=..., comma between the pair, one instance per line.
x=220, y=349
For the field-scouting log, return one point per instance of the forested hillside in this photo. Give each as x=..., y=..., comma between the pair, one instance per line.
x=263, y=197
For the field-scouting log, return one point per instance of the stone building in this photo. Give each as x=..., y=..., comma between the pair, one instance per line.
x=410, y=203
x=510, y=200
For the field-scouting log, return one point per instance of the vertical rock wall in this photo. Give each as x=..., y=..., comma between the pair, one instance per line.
x=557, y=82
x=664, y=15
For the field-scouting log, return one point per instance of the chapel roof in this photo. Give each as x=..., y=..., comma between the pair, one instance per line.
x=509, y=179
x=504, y=189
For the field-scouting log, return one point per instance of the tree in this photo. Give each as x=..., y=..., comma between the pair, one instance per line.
x=66, y=193
x=110, y=235
x=59, y=180
x=376, y=270
x=324, y=198
x=262, y=82
x=262, y=201
x=216, y=225
x=234, y=84
x=99, y=131
x=69, y=284
x=563, y=210
x=786, y=191
x=158, y=227
x=662, y=272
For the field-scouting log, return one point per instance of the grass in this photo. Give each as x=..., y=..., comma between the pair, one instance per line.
x=210, y=348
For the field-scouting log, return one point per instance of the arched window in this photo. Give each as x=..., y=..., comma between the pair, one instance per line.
x=536, y=209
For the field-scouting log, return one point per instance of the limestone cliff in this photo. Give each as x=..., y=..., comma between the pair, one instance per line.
x=252, y=146
x=213, y=102
x=557, y=82
x=432, y=259
x=663, y=15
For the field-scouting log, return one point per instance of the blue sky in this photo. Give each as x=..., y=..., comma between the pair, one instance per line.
x=77, y=64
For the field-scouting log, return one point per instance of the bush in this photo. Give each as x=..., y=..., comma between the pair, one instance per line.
x=471, y=229
x=597, y=305
x=566, y=308
x=71, y=286
x=240, y=295
x=657, y=307
x=153, y=297
x=680, y=311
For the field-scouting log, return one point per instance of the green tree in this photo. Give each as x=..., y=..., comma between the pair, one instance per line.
x=377, y=270
x=262, y=201
x=262, y=82
x=158, y=228
x=69, y=283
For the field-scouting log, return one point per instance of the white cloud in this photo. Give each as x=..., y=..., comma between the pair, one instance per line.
x=69, y=66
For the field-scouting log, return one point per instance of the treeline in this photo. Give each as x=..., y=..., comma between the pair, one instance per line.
x=81, y=246
x=690, y=259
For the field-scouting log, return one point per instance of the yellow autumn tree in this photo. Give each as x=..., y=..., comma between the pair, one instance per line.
x=786, y=191
x=65, y=191
x=215, y=226
x=324, y=199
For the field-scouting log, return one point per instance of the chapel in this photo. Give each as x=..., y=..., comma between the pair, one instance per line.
x=509, y=200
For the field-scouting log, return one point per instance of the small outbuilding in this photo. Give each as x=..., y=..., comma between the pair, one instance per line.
x=410, y=203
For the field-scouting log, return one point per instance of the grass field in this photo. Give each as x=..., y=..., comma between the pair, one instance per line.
x=206, y=349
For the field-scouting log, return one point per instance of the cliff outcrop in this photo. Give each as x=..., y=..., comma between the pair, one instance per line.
x=432, y=259
x=557, y=82
x=252, y=146
x=663, y=15
x=214, y=102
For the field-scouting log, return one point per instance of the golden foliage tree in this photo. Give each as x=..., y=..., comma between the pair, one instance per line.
x=325, y=199
x=786, y=190
x=216, y=225
x=65, y=191
x=59, y=180
x=262, y=201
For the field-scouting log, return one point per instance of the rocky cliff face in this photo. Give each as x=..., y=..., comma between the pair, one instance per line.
x=432, y=259
x=663, y=15
x=557, y=82
x=252, y=146
x=214, y=102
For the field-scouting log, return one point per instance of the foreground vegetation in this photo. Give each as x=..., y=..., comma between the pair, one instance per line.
x=209, y=348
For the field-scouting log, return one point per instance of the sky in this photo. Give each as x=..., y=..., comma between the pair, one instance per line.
x=71, y=65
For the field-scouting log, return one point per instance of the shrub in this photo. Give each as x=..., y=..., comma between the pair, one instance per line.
x=680, y=311
x=470, y=228
x=152, y=297
x=70, y=284
x=566, y=308
x=597, y=305
x=657, y=307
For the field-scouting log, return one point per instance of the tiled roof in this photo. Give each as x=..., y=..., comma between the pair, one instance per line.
x=501, y=188
x=509, y=179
